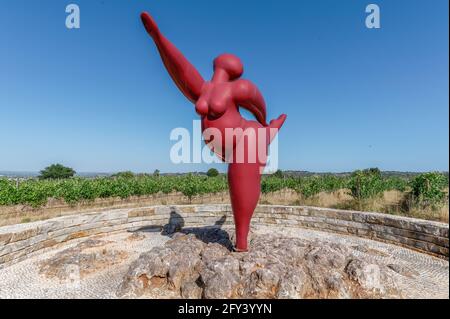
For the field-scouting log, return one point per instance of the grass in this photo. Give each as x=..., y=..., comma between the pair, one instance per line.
x=389, y=202
x=25, y=220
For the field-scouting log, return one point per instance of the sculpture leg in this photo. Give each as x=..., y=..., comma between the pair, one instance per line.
x=245, y=185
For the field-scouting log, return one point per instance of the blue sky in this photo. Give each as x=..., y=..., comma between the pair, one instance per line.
x=99, y=99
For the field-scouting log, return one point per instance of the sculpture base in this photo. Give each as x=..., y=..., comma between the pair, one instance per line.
x=172, y=262
x=200, y=263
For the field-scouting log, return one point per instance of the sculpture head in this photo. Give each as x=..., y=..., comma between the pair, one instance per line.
x=229, y=63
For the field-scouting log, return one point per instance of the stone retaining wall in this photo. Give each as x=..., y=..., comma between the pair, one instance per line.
x=19, y=241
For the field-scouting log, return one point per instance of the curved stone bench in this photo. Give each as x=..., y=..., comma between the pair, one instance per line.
x=17, y=242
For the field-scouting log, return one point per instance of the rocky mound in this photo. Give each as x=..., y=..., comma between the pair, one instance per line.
x=198, y=263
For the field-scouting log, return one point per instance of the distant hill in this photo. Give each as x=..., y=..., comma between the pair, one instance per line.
x=12, y=174
x=344, y=174
x=25, y=175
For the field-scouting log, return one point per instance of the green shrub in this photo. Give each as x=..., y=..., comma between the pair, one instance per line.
x=9, y=194
x=395, y=183
x=272, y=184
x=366, y=184
x=278, y=173
x=428, y=189
x=126, y=174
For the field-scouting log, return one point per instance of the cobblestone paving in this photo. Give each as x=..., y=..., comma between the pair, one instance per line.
x=420, y=275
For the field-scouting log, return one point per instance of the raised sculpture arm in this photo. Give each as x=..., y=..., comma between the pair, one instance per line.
x=183, y=73
x=248, y=96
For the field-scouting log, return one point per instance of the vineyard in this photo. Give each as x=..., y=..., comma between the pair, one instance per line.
x=428, y=190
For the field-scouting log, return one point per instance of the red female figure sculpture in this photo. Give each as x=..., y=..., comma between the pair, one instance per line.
x=217, y=102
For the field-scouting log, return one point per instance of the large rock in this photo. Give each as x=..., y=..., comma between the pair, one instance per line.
x=199, y=263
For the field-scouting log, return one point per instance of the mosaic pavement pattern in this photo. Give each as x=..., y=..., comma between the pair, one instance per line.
x=95, y=267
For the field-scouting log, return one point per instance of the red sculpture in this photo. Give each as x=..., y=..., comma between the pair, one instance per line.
x=217, y=102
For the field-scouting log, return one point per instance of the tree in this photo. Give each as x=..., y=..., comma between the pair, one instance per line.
x=126, y=174
x=375, y=171
x=212, y=172
x=56, y=171
x=156, y=173
x=278, y=174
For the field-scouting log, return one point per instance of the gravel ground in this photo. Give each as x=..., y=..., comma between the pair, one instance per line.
x=26, y=279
